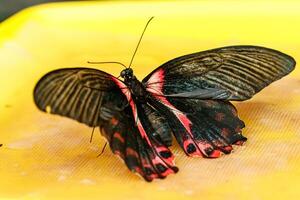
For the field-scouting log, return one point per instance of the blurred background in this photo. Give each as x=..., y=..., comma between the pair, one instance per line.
x=9, y=7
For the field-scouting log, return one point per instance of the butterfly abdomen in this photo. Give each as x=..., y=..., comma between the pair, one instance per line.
x=159, y=124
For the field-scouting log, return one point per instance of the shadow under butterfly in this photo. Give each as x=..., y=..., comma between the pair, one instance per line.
x=187, y=97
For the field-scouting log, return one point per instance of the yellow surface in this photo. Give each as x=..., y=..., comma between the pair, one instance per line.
x=45, y=156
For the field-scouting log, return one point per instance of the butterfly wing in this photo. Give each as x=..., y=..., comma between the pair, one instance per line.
x=228, y=73
x=143, y=154
x=135, y=135
x=192, y=91
x=78, y=93
x=96, y=98
x=203, y=128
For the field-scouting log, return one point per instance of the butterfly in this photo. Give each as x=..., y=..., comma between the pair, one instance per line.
x=188, y=97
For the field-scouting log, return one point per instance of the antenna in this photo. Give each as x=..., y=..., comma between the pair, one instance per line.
x=107, y=63
x=133, y=53
x=140, y=41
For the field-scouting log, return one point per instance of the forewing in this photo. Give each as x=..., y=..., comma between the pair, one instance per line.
x=228, y=73
x=78, y=93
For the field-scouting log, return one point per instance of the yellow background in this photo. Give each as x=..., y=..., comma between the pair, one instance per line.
x=46, y=156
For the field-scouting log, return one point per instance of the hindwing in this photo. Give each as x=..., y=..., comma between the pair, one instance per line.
x=140, y=141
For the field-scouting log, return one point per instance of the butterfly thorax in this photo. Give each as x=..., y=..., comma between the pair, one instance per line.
x=136, y=88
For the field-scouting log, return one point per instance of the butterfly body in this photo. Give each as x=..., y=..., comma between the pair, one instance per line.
x=137, y=89
x=188, y=97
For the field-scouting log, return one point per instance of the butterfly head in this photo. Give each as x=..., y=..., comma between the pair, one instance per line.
x=127, y=73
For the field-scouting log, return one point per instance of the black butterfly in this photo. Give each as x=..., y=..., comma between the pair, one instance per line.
x=187, y=96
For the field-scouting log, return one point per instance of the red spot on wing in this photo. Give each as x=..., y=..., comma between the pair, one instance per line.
x=220, y=116
x=169, y=160
x=238, y=129
x=131, y=152
x=215, y=154
x=225, y=132
x=119, y=137
x=114, y=121
x=146, y=163
x=167, y=172
x=228, y=148
x=119, y=154
x=196, y=152
x=240, y=142
x=139, y=170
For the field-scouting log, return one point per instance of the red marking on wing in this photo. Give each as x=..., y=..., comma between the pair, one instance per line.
x=215, y=154
x=196, y=153
x=127, y=93
x=114, y=121
x=155, y=82
x=146, y=163
x=225, y=132
x=119, y=137
x=155, y=86
x=220, y=116
x=138, y=170
x=228, y=148
x=240, y=142
x=131, y=152
x=170, y=160
x=237, y=129
x=119, y=154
